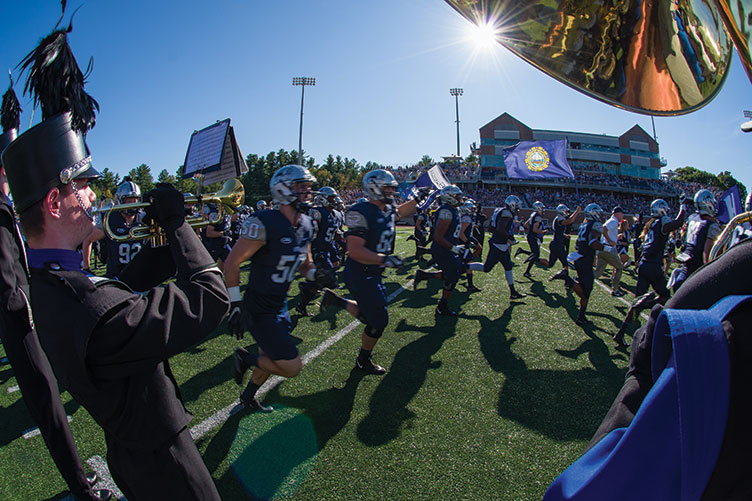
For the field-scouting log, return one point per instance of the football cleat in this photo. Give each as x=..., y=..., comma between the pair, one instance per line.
x=369, y=367
x=444, y=310
x=254, y=405
x=517, y=295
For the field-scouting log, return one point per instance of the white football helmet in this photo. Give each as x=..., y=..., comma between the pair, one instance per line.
x=326, y=197
x=563, y=210
x=659, y=208
x=513, y=202
x=705, y=203
x=375, y=181
x=539, y=207
x=451, y=195
x=282, y=186
x=127, y=189
x=593, y=212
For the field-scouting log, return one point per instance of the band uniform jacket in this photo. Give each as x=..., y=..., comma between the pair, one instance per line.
x=113, y=355
x=31, y=368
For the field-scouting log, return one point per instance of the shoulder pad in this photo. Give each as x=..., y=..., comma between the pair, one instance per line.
x=355, y=219
x=253, y=229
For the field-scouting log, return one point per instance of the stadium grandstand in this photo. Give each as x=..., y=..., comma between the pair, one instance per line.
x=620, y=170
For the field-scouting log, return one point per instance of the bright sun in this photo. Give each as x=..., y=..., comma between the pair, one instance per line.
x=483, y=36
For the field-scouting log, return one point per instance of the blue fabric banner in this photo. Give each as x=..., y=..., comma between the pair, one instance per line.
x=538, y=159
x=729, y=205
x=432, y=177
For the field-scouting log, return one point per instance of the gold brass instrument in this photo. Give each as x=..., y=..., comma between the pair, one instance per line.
x=723, y=242
x=659, y=57
x=227, y=199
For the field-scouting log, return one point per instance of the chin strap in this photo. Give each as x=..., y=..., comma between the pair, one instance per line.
x=88, y=212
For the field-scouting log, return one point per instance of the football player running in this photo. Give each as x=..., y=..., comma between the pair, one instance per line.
x=702, y=230
x=277, y=244
x=502, y=238
x=588, y=242
x=370, y=243
x=448, y=250
x=535, y=231
x=323, y=248
x=654, y=238
x=558, y=246
x=119, y=254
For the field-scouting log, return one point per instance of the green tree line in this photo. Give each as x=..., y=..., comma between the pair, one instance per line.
x=723, y=180
x=338, y=172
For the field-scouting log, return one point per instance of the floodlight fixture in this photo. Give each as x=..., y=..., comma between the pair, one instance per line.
x=302, y=82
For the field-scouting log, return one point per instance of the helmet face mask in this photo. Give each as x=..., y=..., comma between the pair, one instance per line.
x=291, y=185
x=705, y=203
x=380, y=185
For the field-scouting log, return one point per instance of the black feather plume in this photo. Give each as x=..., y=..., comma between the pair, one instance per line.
x=10, y=112
x=56, y=82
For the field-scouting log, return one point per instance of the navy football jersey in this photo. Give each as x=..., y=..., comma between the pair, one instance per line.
x=274, y=265
x=590, y=231
x=502, y=216
x=654, y=244
x=120, y=254
x=376, y=227
x=325, y=228
x=559, y=229
x=698, y=232
x=534, y=218
x=448, y=213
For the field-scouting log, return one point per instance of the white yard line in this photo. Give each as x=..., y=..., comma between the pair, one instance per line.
x=33, y=432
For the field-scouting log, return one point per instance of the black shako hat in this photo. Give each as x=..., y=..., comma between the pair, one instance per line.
x=54, y=151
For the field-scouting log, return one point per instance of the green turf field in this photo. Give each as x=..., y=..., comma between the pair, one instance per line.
x=493, y=404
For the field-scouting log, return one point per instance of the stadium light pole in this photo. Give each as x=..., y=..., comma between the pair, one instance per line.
x=457, y=92
x=302, y=81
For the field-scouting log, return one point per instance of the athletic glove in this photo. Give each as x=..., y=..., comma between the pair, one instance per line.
x=235, y=320
x=458, y=249
x=393, y=262
x=423, y=193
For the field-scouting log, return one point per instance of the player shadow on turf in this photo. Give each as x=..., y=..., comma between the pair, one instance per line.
x=561, y=404
x=388, y=413
x=327, y=410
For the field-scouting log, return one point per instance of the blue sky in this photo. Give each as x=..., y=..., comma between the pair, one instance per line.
x=383, y=72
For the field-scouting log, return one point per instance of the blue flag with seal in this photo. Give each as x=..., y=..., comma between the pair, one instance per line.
x=729, y=205
x=432, y=177
x=537, y=159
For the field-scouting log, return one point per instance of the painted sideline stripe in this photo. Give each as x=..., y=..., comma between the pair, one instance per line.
x=33, y=432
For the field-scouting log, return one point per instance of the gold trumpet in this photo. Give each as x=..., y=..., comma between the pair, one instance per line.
x=228, y=199
x=723, y=242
